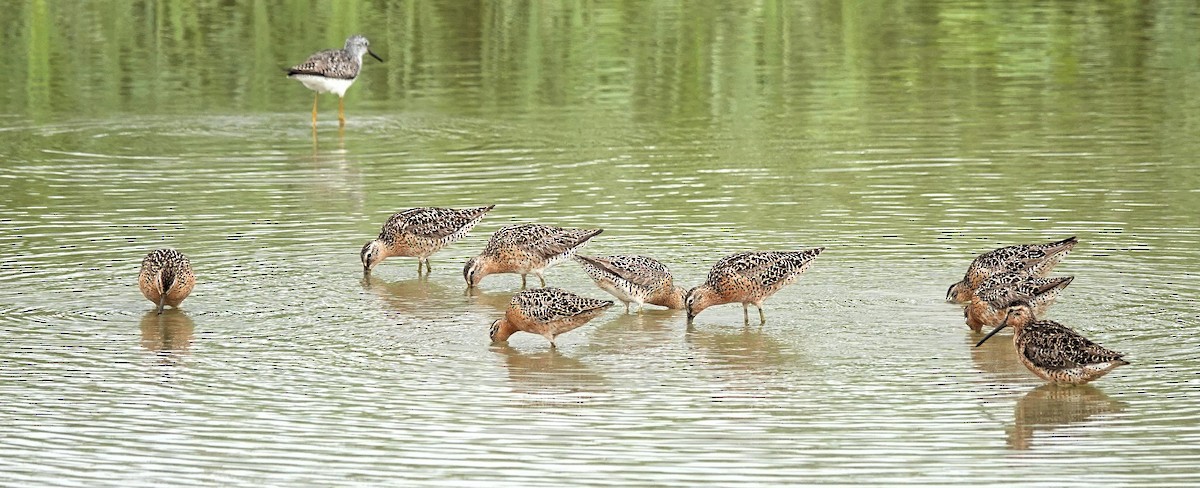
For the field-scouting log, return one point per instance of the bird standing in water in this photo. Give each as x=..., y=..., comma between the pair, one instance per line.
x=634, y=279
x=1053, y=351
x=420, y=232
x=524, y=249
x=748, y=278
x=333, y=71
x=1032, y=260
x=989, y=305
x=166, y=278
x=547, y=312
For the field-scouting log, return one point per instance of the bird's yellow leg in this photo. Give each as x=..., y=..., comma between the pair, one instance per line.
x=341, y=112
x=316, y=98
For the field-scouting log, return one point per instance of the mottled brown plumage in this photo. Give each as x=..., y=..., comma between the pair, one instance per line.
x=166, y=278
x=420, y=232
x=634, y=279
x=749, y=278
x=525, y=249
x=989, y=304
x=548, y=312
x=1053, y=351
x=1033, y=260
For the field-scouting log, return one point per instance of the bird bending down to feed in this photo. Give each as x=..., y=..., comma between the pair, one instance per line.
x=524, y=249
x=333, y=71
x=1033, y=260
x=166, y=278
x=547, y=312
x=748, y=278
x=1053, y=351
x=989, y=303
x=420, y=232
x=634, y=279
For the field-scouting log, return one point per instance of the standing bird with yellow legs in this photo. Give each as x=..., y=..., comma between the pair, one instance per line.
x=1032, y=260
x=1053, y=351
x=166, y=278
x=420, y=232
x=547, y=312
x=524, y=249
x=333, y=71
x=634, y=279
x=989, y=305
x=748, y=278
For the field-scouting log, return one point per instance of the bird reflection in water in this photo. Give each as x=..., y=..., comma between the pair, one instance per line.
x=746, y=363
x=551, y=377
x=167, y=335
x=1049, y=407
x=413, y=297
x=498, y=301
x=997, y=357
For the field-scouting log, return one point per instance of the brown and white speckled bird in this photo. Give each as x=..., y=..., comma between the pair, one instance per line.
x=166, y=277
x=989, y=304
x=524, y=249
x=749, y=278
x=1034, y=260
x=333, y=70
x=548, y=312
x=1053, y=351
x=634, y=279
x=420, y=232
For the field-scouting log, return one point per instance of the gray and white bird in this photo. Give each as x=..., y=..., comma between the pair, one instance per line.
x=333, y=71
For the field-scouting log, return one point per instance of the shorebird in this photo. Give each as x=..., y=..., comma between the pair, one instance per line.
x=1034, y=260
x=749, y=278
x=166, y=277
x=524, y=249
x=547, y=312
x=989, y=303
x=634, y=279
x=333, y=70
x=1053, y=351
x=420, y=232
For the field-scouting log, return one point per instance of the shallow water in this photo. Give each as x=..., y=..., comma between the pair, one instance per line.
x=905, y=140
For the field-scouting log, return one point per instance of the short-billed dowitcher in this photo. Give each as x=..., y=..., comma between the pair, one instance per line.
x=1053, y=351
x=420, y=232
x=166, y=277
x=333, y=70
x=1034, y=260
x=748, y=278
x=547, y=312
x=634, y=279
x=988, y=306
x=524, y=249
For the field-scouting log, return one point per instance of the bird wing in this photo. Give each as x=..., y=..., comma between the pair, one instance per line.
x=431, y=222
x=544, y=240
x=639, y=270
x=765, y=268
x=550, y=304
x=1056, y=346
x=330, y=63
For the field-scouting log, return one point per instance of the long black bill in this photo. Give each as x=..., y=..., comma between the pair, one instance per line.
x=992, y=333
x=162, y=301
x=373, y=55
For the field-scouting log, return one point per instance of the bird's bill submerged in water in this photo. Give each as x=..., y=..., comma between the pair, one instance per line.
x=992, y=333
